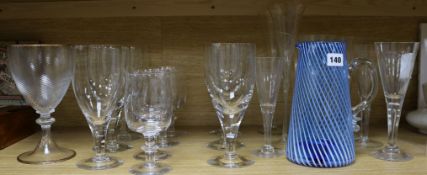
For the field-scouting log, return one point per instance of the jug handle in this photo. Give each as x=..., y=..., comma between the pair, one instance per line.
x=355, y=64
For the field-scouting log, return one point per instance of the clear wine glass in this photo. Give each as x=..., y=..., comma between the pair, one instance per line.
x=42, y=73
x=230, y=79
x=95, y=85
x=113, y=144
x=396, y=62
x=149, y=108
x=269, y=73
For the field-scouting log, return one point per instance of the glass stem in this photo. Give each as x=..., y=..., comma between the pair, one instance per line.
x=230, y=135
x=163, y=138
x=268, y=122
x=112, y=143
x=45, y=122
x=99, y=135
x=150, y=150
x=364, y=130
x=393, y=118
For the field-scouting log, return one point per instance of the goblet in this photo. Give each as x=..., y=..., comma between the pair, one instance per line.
x=269, y=73
x=230, y=79
x=95, y=85
x=113, y=145
x=396, y=62
x=149, y=108
x=42, y=73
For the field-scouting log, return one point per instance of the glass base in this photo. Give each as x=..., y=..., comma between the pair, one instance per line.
x=150, y=169
x=393, y=154
x=268, y=153
x=118, y=148
x=230, y=161
x=220, y=145
x=160, y=155
x=168, y=143
x=367, y=145
x=48, y=155
x=99, y=163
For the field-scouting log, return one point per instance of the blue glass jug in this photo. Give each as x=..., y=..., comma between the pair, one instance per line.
x=322, y=118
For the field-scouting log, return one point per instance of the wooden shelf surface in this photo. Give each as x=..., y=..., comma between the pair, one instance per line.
x=190, y=156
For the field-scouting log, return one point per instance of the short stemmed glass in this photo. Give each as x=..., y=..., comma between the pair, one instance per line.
x=148, y=111
x=230, y=79
x=113, y=144
x=268, y=78
x=95, y=86
x=42, y=73
x=396, y=62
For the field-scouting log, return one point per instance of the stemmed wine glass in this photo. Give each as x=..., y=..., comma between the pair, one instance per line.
x=148, y=111
x=42, y=73
x=95, y=86
x=230, y=79
x=268, y=78
x=113, y=144
x=396, y=62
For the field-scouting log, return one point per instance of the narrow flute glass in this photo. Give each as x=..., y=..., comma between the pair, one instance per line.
x=230, y=79
x=113, y=144
x=148, y=108
x=395, y=62
x=268, y=78
x=42, y=74
x=95, y=85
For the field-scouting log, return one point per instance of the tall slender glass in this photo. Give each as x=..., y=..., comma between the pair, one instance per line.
x=113, y=144
x=396, y=62
x=283, y=19
x=95, y=85
x=42, y=73
x=268, y=78
x=230, y=79
x=149, y=108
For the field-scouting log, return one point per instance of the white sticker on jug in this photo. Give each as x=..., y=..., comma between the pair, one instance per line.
x=335, y=59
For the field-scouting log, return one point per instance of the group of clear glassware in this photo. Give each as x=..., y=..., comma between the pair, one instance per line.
x=109, y=90
x=109, y=87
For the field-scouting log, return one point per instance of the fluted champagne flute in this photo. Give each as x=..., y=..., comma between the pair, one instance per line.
x=148, y=112
x=230, y=79
x=95, y=86
x=395, y=62
x=269, y=73
x=42, y=73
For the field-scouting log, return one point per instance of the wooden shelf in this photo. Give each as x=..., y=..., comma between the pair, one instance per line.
x=10, y=9
x=189, y=158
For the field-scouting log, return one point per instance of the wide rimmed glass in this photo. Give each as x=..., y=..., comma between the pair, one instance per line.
x=148, y=111
x=395, y=62
x=269, y=74
x=230, y=79
x=95, y=85
x=42, y=73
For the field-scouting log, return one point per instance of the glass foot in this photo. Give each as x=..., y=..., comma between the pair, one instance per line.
x=99, y=163
x=118, y=148
x=268, y=153
x=168, y=143
x=45, y=156
x=220, y=145
x=235, y=161
x=393, y=154
x=150, y=169
x=160, y=155
x=369, y=144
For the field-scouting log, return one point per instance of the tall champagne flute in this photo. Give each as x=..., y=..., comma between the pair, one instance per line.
x=148, y=111
x=95, y=86
x=269, y=73
x=396, y=62
x=42, y=73
x=113, y=144
x=230, y=79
